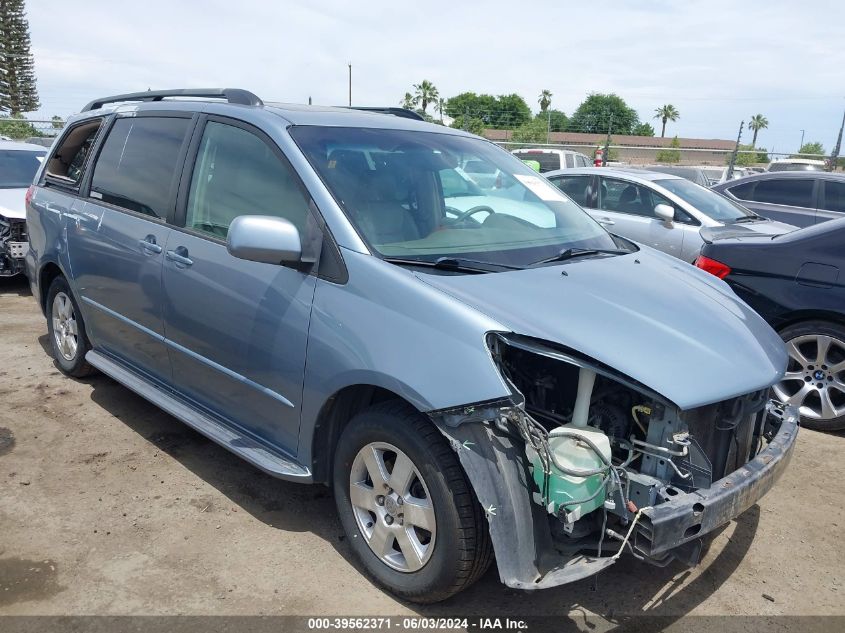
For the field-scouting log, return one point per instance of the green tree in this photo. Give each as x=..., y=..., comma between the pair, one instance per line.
x=598, y=111
x=545, y=100
x=534, y=131
x=425, y=93
x=666, y=113
x=502, y=112
x=512, y=111
x=439, y=106
x=670, y=155
x=556, y=120
x=808, y=149
x=17, y=127
x=57, y=122
x=18, y=92
x=408, y=101
x=643, y=129
x=473, y=125
x=758, y=122
x=742, y=160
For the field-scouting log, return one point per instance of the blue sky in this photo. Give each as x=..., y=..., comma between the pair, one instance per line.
x=717, y=61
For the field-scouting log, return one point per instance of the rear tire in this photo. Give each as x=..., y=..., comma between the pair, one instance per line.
x=68, y=339
x=453, y=549
x=815, y=376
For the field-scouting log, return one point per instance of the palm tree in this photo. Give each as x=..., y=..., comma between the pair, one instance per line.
x=425, y=93
x=758, y=122
x=666, y=113
x=545, y=100
x=439, y=106
x=408, y=101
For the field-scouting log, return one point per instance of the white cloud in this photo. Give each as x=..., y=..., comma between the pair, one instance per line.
x=717, y=61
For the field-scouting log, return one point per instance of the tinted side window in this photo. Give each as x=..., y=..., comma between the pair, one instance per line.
x=137, y=168
x=576, y=187
x=237, y=173
x=795, y=193
x=834, y=196
x=569, y=162
x=626, y=197
x=743, y=191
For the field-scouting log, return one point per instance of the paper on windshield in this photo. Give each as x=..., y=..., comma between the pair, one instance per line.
x=541, y=188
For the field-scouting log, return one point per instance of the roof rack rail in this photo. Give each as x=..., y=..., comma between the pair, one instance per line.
x=232, y=95
x=400, y=112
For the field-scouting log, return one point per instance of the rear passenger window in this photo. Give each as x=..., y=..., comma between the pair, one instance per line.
x=791, y=192
x=569, y=161
x=743, y=191
x=834, y=196
x=576, y=187
x=66, y=163
x=138, y=169
x=237, y=173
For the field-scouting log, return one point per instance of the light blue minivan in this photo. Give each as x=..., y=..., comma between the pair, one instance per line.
x=298, y=284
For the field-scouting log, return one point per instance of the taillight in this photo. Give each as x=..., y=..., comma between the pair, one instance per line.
x=713, y=267
x=29, y=193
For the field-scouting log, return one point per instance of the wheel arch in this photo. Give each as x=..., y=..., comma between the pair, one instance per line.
x=801, y=316
x=333, y=417
x=48, y=272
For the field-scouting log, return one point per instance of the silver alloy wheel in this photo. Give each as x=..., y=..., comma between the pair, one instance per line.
x=392, y=506
x=815, y=378
x=65, y=330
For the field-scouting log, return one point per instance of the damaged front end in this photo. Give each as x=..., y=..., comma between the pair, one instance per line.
x=583, y=464
x=13, y=246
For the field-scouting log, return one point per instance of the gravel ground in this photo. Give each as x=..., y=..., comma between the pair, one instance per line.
x=109, y=506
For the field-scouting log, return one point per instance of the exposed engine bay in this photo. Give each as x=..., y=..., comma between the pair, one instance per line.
x=603, y=451
x=13, y=246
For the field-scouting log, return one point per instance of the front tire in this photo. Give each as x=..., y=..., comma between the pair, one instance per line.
x=815, y=377
x=408, y=510
x=68, y=339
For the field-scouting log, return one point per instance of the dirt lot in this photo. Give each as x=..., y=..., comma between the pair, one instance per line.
x=109, y=506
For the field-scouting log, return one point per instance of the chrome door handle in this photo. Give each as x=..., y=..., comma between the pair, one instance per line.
x=607, y=221
x=149, y=244
x=180, y=256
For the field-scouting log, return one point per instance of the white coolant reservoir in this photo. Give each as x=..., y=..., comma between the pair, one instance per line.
x=571, y=453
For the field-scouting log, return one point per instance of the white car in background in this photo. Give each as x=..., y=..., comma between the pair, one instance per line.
x=796, y=164
x=552, y=159
x=18, y=164
x=660, y=210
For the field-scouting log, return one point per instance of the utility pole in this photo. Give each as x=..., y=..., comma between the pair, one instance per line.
x=834, y=156
x=802, y=141
x=735, y=152
x=549, y=128
x=350, y=84
x=607, y=142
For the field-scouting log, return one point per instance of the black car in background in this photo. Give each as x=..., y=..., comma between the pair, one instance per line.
x=796, y=281
x=801, y=198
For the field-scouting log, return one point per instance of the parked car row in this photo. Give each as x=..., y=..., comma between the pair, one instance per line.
x=472, y=363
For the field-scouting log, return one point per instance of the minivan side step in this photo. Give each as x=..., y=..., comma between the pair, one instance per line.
x=245, y=447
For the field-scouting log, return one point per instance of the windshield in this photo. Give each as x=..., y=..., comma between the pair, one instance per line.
x=410, y=198
x=708, y=202
x=18, y=167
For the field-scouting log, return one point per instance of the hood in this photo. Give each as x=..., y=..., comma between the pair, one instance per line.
x=674, y=328
x=12, y=203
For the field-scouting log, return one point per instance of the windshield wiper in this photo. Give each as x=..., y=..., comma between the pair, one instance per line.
x=749, y=218
x=570, y=253
x=458, y=264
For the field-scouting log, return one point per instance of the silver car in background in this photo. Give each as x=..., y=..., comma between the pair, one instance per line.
x=663, y=211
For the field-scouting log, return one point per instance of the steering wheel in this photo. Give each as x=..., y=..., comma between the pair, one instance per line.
x=468, y=213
